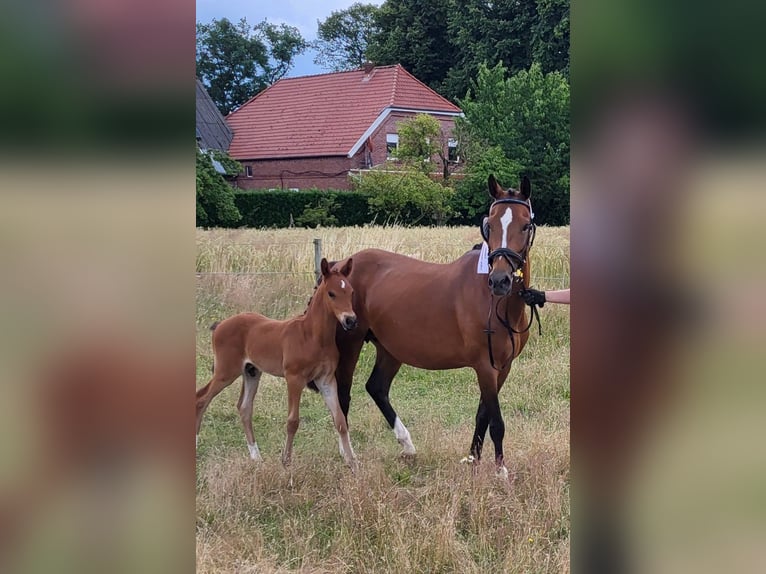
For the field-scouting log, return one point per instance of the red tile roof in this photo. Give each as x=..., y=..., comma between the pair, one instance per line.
x=327, y=114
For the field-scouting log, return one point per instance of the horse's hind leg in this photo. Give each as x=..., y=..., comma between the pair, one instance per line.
x=378, y=387
x=251, y=376
x=222, y=378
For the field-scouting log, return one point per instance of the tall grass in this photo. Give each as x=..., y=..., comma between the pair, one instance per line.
x=430, y=514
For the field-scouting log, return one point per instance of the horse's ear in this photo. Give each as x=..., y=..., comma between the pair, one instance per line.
x=526, y=187
x=346, y=269
x=325, y=267
x=494, y=188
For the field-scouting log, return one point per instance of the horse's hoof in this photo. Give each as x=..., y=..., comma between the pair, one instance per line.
x=255, y=454
x=502, y=473
x=468, y=459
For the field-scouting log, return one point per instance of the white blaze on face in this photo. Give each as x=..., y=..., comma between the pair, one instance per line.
x=505, y=221
x=342, y=284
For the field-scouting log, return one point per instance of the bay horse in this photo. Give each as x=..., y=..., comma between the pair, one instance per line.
x=300, y=349
x=446, y=316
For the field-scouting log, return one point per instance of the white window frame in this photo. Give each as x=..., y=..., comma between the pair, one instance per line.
x=392, y=139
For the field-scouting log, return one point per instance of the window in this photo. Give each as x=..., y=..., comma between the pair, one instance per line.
x=452, y=151
x=248, y=171
x=392, y=143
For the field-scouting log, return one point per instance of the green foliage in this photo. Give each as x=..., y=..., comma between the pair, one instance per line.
x=215, y=197
x=515, y=33
x=527, y=117
x=307, y=208
x=472, y=198
x=343, y=37
x=408, y=197
x=413, y=33
x=444, y=42
x=320, y=214
x=420, y=139
x=236, y=61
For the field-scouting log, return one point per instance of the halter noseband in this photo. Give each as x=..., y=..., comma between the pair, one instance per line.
x=509, y=254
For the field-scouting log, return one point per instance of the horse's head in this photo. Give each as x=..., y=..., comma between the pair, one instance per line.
x=336, y=292
x=509, y=230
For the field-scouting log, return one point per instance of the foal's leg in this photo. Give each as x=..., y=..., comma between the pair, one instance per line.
x=250, y=379
x=378, y=387
x=294, y=389
x=224, y=375
x=328, y=387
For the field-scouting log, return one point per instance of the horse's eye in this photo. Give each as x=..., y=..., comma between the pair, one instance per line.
x=331, y=294
x=527, y=227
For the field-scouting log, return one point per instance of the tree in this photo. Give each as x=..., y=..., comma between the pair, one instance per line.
x=413, y=33
x=342, y=39
x=443, y=42
x=283, y=43
x=527, y=117
x=236, y=61
x=420, y=140
x=405, y=196
x=215, y=197
x=515, y=33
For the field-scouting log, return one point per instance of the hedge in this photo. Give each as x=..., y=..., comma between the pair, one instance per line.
x=262, y=208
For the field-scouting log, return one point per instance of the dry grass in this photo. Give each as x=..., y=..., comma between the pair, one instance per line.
x=429, y=514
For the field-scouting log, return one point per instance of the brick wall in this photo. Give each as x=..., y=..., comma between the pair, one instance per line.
x=301, y=173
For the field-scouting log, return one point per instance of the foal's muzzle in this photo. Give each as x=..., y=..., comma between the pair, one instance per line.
x=348, y=322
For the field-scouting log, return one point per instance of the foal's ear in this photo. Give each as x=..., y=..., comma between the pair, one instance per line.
x=494, y=188
x=526, y=187
x=346, y=269
x=325, y=267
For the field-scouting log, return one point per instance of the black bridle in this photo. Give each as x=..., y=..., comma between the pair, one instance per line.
x=520, y=259
x=510, y=255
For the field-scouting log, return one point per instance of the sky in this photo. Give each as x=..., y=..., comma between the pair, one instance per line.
x=303, y=14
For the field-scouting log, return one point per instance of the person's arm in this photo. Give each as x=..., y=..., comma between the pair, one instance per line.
x=560, y=296
x=535, y=297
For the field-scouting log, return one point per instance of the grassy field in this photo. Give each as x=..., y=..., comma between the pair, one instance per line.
x=429, y=514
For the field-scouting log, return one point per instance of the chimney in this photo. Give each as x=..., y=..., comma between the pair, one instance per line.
x=368, y=67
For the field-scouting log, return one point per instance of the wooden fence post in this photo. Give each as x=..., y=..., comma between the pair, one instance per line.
x=317, y=258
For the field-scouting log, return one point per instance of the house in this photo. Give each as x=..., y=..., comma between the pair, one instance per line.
x=212, y=130
x=312, y=131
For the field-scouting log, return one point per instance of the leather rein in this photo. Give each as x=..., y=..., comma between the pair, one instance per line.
x=510, y=256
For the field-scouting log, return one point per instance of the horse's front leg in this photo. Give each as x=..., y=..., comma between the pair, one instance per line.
x=295, y=386
x=489, y=415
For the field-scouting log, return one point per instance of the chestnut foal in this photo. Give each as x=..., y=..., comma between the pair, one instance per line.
x=301, y=349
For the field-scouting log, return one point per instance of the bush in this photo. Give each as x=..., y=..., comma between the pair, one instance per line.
x=408, y=197
x=215, y=197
